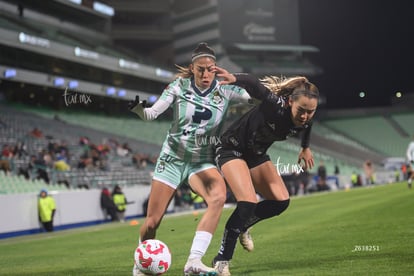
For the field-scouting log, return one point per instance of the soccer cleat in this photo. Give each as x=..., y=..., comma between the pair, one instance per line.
x=246, y=240
x=194, y=267
x=222, y=267
x=137, y=272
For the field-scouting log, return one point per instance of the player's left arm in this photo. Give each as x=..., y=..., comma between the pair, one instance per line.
x=305, y=154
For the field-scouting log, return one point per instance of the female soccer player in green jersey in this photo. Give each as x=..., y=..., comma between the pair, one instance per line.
x=199, y=105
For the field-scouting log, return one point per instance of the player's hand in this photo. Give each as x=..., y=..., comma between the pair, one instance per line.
x=226, y=77
x=133, y=104
x=307, y=157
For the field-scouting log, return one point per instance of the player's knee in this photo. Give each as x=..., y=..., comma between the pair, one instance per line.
x=216, y=197
x=272, y=208
x=217, y=201
x=246, y=209
x=279, y=206
x=283, y=205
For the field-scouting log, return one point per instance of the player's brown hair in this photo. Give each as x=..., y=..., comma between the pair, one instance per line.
x=291, y=87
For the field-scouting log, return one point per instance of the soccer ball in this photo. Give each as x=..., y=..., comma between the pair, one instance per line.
x=153, y=257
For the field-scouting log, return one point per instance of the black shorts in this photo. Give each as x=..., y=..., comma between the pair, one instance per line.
x=225, y=154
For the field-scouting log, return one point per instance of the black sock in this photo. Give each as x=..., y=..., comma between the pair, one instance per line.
x=266, y=209
x=233, y=229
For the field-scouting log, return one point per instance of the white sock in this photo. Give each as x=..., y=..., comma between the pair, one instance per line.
x=200, y=244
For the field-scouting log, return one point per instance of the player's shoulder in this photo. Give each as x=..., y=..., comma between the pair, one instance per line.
x=178, y=84
x=180, y=81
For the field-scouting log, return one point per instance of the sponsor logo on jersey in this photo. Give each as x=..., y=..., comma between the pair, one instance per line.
x=272, y=125
x=234, y=141
x=237, y=153
x=292, y=132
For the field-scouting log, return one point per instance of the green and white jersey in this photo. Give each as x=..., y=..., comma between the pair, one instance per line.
x=198, y=117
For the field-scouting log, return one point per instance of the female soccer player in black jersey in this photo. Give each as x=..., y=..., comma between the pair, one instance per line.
x=286, y=108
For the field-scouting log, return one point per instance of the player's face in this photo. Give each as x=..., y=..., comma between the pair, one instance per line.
x=204, y=72
x=303, y=109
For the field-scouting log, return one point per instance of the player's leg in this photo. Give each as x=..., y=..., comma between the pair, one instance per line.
x=237, y=175
x=158, y=201
x=168, y=175
x=210, y=185
x=270, y=185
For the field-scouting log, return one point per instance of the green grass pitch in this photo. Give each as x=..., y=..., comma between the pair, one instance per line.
x=365, y=231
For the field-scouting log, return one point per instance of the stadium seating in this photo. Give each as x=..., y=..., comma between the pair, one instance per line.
x=131, y=127
x=15, y=128
x=406, y=121
x=331, y=134
x=155, y=131
x=375, y=133
x=148, y=137
x=10, y=184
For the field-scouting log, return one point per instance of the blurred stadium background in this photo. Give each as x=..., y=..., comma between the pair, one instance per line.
x=69, y=67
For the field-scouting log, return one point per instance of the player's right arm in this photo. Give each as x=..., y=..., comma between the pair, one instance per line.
x=253, y=86
x=250, y=83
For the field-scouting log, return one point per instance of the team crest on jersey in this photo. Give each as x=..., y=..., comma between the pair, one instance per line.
x=161, y=167
x=217, y=99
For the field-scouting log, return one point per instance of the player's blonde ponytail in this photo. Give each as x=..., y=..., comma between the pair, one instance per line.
x=290, y=87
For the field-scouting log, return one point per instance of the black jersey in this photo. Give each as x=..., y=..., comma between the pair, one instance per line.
x=265, y=123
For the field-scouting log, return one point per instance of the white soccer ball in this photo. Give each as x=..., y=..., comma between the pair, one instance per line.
x=153, y=257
